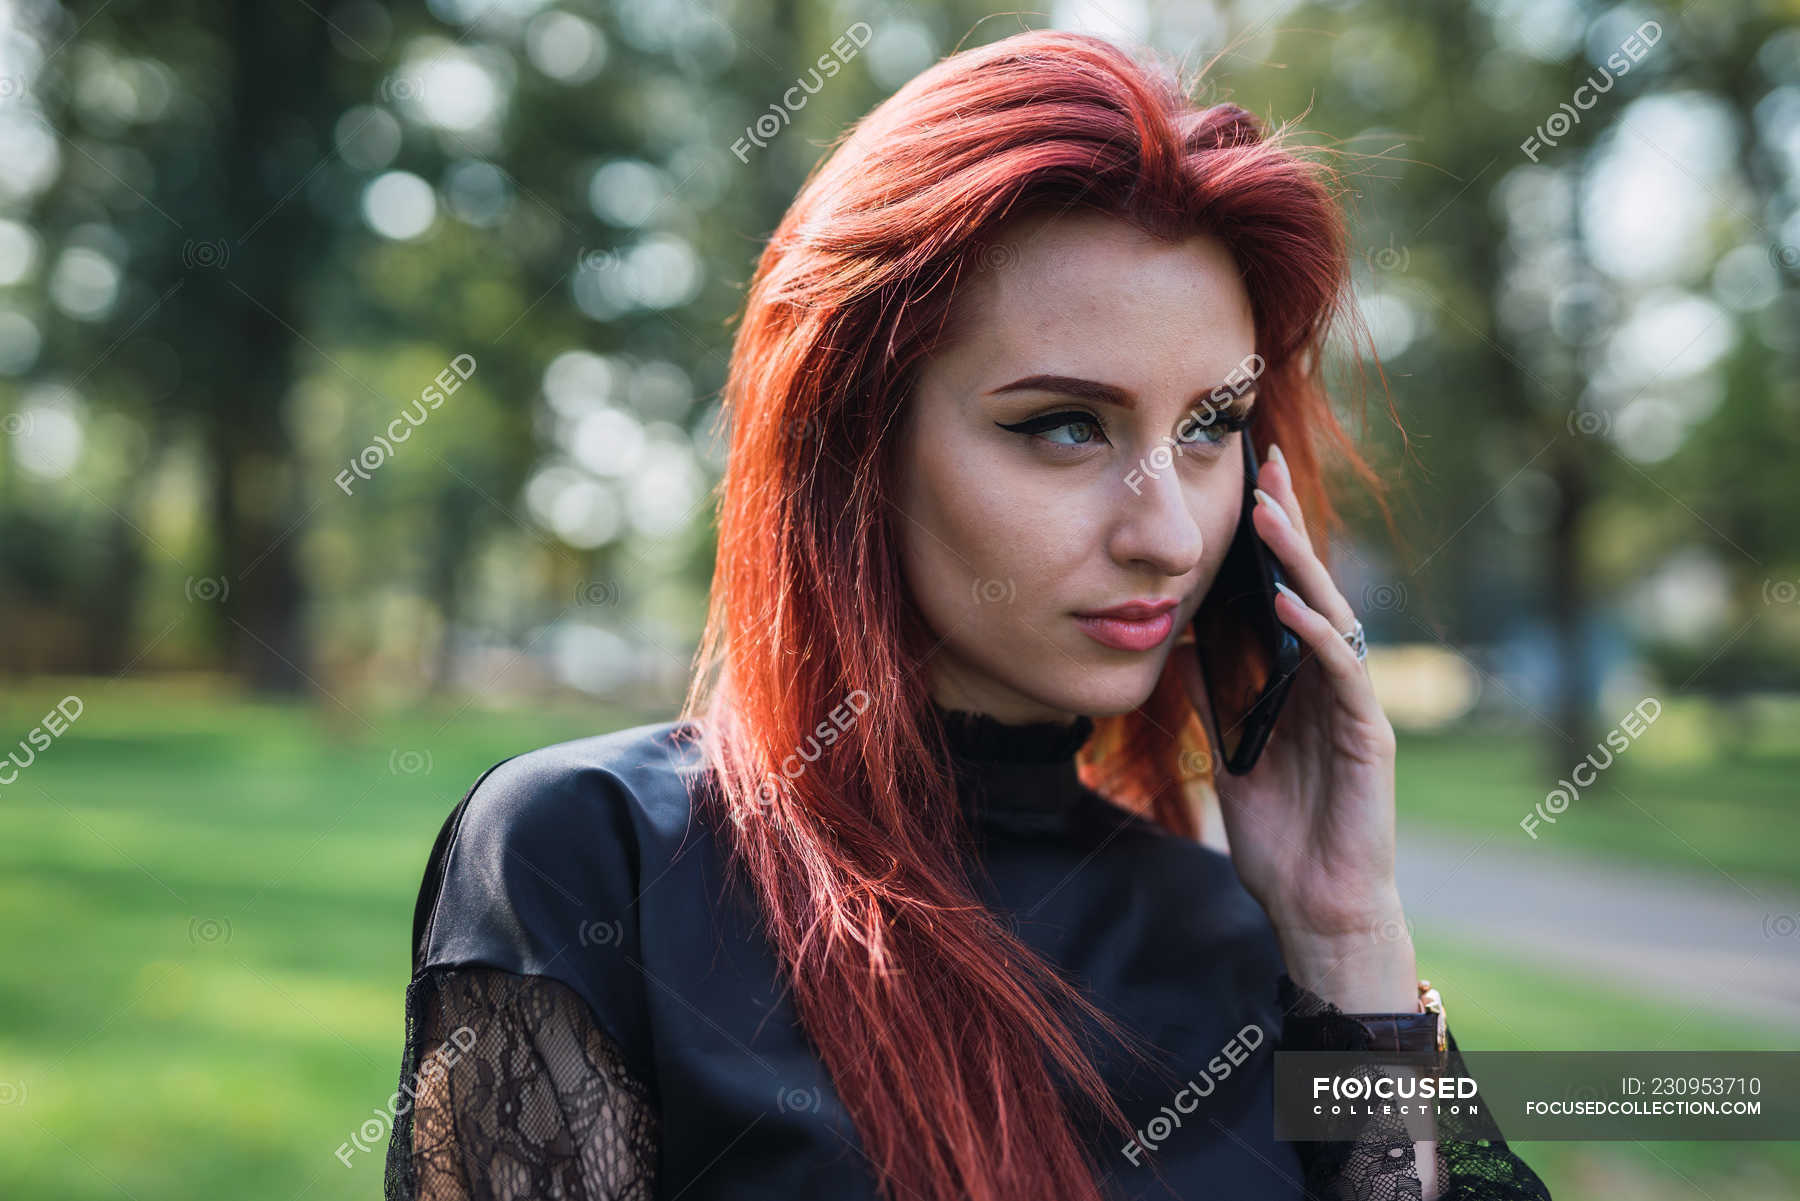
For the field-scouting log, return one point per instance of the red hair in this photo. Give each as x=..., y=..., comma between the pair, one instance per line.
x=933, y=1019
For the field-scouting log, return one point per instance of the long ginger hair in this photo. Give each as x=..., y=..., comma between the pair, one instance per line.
x=950, y=1041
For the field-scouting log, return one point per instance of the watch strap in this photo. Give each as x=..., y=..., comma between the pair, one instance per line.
x=1402, y=1031
x=1329, y=1028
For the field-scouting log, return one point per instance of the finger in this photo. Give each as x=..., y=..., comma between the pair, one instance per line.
x=1346, y=671
x=1274, y=478
x=1310, y=577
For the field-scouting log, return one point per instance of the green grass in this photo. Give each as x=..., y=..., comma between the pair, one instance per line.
x=1495, y=1005
x=206, y=908
x=1700, y=791
x=206, y=904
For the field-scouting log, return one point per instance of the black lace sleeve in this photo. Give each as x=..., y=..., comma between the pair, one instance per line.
x=515, y=1093
x=1475, y=1165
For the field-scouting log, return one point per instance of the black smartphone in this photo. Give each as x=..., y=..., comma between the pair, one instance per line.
x=1254, y=657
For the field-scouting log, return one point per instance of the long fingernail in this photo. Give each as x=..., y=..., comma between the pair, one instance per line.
x=1290, y=593
x=1264, y=498
x=1275, y=455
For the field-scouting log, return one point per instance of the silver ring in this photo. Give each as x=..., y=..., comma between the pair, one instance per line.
x=1357, y=642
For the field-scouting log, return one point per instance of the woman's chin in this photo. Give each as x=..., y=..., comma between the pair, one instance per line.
x=1122, y=692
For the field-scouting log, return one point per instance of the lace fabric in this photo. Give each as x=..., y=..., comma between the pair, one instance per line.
x=1472, y=1159
x=517, y=1093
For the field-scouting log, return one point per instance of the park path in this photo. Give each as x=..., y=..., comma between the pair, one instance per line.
x=1703, y=943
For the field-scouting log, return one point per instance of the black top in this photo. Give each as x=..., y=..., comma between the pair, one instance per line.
x=593, y=1013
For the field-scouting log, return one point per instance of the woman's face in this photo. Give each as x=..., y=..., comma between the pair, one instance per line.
x=1131, y=492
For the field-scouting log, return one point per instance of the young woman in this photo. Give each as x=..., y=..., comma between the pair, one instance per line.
x=911, y=901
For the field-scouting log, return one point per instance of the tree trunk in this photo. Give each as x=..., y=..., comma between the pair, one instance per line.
x=250, y=309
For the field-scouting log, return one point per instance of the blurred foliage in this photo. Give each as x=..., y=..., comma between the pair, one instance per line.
x=235, y=245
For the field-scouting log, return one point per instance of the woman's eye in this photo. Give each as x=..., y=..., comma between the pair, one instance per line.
x=1086, y=430
x=1086, y=426
x=1197, y=433
x=1203, y=432
x=1071, y=428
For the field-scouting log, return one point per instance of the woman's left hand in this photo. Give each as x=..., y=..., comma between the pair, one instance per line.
x=1311, y=827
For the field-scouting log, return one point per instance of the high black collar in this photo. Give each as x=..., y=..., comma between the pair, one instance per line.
x=1020, y=776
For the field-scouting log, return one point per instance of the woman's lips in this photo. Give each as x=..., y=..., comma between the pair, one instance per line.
x=1124, y=635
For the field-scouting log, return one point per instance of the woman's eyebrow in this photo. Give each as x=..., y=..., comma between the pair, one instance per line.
x=1094, y=390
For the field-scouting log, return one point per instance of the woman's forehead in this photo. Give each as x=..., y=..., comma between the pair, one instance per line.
x=1094, y=298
